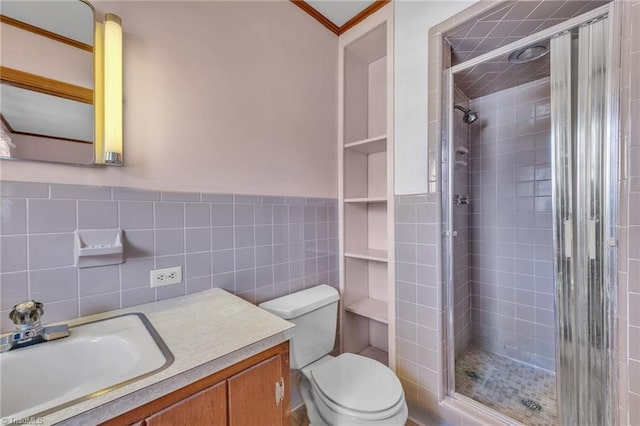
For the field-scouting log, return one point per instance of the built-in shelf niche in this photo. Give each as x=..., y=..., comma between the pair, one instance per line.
x=366, y=145
x=365, y=227
x=365, y=175
x=368, y=254
x=365, y=301
x=366, y=200
x=369, y=146
x=365, y=94
x=370, y=308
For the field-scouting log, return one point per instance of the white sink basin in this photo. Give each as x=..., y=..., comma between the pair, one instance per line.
x=95, y=358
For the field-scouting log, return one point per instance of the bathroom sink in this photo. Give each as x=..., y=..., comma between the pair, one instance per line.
x=96, y=358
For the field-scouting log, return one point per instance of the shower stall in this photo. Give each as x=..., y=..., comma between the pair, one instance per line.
x=529, y=224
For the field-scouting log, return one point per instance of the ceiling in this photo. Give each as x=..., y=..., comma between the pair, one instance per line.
x=339, y=12
x=339, y=15
x=499, y=26
x=499, y=74
x=510, y=21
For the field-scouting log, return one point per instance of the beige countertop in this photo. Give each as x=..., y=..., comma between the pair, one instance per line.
x=206, y=332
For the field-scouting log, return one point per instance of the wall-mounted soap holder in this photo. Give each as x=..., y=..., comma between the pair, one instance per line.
x=98, y=247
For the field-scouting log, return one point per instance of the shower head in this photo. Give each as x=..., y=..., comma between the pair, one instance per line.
x=469, y=116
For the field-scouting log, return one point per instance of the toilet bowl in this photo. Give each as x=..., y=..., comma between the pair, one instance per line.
x=345, y=390
x=353, y=390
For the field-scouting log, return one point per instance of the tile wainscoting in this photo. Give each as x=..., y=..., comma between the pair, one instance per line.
x=255, y=246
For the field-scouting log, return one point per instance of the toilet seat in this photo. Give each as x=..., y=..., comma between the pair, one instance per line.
x=356, y=387
x=337, y=410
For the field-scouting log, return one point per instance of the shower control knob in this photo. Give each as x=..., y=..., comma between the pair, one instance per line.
x=461, y=201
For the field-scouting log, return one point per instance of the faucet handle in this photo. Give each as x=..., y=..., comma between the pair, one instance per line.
x=27, y=313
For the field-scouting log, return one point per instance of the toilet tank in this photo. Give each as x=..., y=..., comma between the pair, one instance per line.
x=314, y=312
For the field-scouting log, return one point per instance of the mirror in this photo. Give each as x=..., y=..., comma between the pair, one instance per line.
x=47, y=81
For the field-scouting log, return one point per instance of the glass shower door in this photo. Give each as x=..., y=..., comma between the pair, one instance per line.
x=580, y=120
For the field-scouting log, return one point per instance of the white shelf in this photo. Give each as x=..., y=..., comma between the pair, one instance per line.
x=370, y=145
x=366, y=200
x=370, y=308
x=368, y=254
x=365, y=174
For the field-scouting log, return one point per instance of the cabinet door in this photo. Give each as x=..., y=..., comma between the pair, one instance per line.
x=207, y=407
x=254, y=395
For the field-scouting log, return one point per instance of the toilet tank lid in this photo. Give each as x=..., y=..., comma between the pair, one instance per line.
x=301, y=302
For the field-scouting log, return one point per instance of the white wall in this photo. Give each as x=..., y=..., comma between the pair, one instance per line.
x=222, y=97
x=412, y=22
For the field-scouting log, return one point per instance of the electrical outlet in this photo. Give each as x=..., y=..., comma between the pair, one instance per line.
x=166, y=276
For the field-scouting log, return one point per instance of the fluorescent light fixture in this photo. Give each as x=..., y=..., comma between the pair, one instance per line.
x=108, y=91
x=98, y=94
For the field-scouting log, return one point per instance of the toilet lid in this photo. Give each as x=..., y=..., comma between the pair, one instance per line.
x=358, y=383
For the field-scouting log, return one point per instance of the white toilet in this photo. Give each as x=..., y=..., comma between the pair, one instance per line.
x=345, y=390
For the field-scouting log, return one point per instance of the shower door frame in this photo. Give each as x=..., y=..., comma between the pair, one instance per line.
x=610, y=207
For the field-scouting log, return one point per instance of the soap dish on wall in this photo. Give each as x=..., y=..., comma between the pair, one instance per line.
x=98, y=247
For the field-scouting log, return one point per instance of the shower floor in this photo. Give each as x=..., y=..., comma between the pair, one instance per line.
x=506, y=385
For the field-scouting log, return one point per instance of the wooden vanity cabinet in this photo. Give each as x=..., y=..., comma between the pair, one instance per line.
x=252, y=392
x=205, y=407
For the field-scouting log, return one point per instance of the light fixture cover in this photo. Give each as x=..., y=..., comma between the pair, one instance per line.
x=98, y=94
x=109, y=90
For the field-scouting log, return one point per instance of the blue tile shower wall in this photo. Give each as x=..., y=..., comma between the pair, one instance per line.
x=255, y=246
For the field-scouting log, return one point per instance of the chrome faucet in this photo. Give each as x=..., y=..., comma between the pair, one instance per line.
x=26, y=317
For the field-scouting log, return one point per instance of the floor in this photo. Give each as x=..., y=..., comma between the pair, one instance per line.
x=520, y=391
x=496, y=381
x=299, y=418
